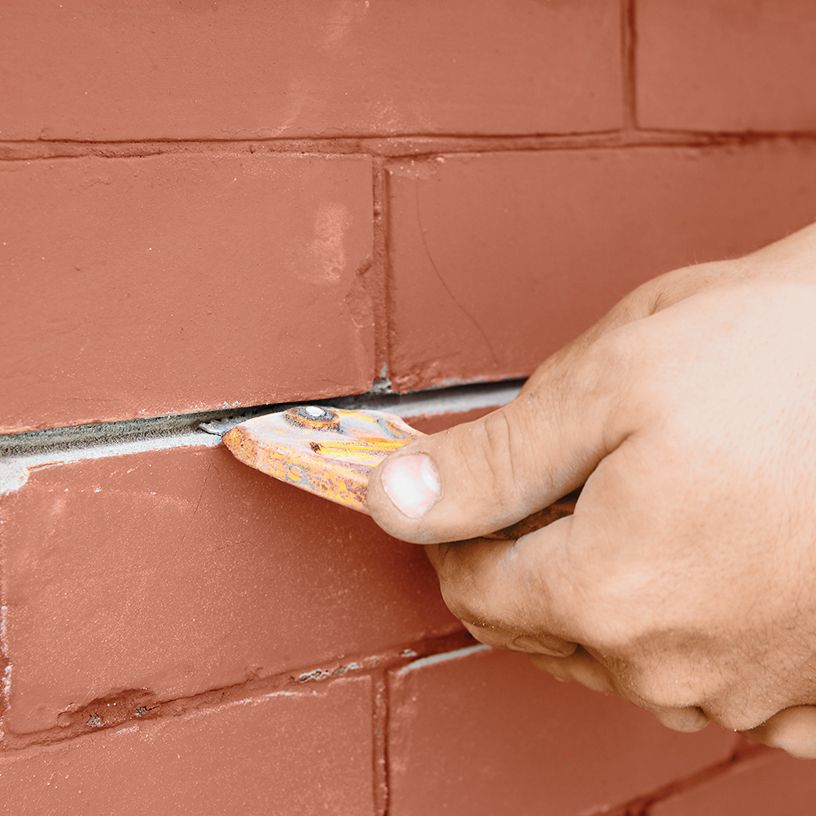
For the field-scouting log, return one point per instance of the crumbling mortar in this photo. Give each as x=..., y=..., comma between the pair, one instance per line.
x=89, y=719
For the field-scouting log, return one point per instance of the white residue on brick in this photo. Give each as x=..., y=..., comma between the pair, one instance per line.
x=14, y=471
x=435, y=404
x=271, y=695
x=315, y=674
x=320, y=674
x=443, y=657
x=262, y=698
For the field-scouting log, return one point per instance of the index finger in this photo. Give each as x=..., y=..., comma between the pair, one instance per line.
x=530, y=586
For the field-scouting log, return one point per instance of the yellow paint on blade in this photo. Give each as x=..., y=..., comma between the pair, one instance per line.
x=327, y=451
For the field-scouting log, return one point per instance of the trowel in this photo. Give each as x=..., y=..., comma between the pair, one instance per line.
x=331, y=452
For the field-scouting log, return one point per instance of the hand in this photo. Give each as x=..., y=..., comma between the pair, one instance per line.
x=685, y=581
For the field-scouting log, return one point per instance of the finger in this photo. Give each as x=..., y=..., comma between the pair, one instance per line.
x=531, y=587
x=481, y=476
x=536, y=585
x=585, y=669
x=687, y=720
x=793, y=730
x=542, y=643
x=579, y=667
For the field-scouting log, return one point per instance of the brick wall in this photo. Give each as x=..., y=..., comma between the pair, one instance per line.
x=212, y=206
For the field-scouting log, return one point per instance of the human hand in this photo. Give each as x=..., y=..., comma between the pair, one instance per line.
x=685, y=580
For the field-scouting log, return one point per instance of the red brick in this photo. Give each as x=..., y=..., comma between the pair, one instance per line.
x=293, y=753
x=498, y=259
x=183, y=570
x=726, y=65
x=139, y=287
x=83, y=69
x=771, y=783
x=488, y=733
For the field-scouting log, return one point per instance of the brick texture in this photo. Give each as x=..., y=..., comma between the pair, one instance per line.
x=149, y=286
x=208, y=205
x=342, y=68
x=771, y=783
x=726, y=65
x=498, y=259
x=288, y=754
x=179, y=571
x=489, y=734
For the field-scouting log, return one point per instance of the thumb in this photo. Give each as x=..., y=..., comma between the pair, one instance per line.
x=481, y=476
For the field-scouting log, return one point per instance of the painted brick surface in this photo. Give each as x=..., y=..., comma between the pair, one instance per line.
x=342, y=68
x=490, y=734
x=226, y=271
x=142, y=287
x=771, y=783
x=289, y=754
x=498, y=259
x=726, y=65
x=175, y=572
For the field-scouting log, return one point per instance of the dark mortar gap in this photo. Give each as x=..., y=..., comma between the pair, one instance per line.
x=219, y=421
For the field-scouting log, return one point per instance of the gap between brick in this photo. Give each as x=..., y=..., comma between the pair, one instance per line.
x=396, y=147
x=628, y=59
x=29, y=451
x=642, y=805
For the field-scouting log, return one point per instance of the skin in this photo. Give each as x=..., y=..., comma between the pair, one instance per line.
x=685, y=581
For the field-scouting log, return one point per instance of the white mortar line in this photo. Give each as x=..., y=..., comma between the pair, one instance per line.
x=15, y=470
x=430, y=404
x=443, y=657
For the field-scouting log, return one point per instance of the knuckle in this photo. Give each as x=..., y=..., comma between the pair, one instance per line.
x=470, y=609
x=489, y=636
x=605, y=381
x=686, y=720
x=656, y=689
x=647, y=389
x=735, y=718
x=454, y=583
x=740, y=709
x=457, y=603
x=611, y=361
x=471, y=606
x=663, y=678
